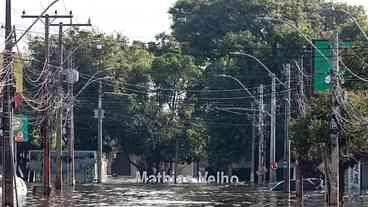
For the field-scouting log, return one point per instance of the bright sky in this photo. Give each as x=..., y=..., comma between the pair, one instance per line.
x=136, y=19
x=357, y=2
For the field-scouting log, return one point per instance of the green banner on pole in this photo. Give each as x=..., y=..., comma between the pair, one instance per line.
x=20, y=128
x=322, y=64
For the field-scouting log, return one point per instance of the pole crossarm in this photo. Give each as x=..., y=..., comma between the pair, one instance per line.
x=72, y=25
x=50, y=16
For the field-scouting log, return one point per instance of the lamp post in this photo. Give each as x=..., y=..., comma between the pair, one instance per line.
x=287, y=144
x=100, y=116
x=352, y=18
x=252, y=165
x=273, y=112
x=261, y=112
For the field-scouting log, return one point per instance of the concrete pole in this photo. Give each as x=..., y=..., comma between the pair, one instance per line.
x=333, y=157
x=299, y=172
x=273, y=130
x=253, y=144
x=287, y=141
x=99, y=150
x=59, y=115
x=260, y=171
x=7, y=155
x=45, y=131
x=71, y=163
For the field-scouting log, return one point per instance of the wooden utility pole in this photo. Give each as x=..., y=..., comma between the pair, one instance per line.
x=261, y=168
x=273, y=131
x=7, y=152
x=332, y=165
x=46, y=133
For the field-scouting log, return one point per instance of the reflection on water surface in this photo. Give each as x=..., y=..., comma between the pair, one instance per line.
x=180, y=195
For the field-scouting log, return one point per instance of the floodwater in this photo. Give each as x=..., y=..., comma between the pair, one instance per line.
x=114, y=195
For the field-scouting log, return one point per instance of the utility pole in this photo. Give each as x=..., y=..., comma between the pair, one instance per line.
x=302, y=111
x=273, y=131
x=332, y=165
x=46, y=134
x=59, y=115
x=301, y=85
x=287, y=141
x=60, y=111
x=7, y=154
x=261, y=168
x=176, y=159
x=99, y=114
x=45, y=124
x=253, y=144
x=72, y=74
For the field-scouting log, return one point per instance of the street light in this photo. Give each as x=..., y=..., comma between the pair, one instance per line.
x=229, y=110
x=352, y=18
x=270, y=73
x=240, y=83
x=100, y=116
x=260, y=103
x=273, y=109
x=245, y=89
x=99, y=46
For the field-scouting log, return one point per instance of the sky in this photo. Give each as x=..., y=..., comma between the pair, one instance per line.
x=136, y=19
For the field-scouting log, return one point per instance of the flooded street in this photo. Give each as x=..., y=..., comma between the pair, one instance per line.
x=114, y=195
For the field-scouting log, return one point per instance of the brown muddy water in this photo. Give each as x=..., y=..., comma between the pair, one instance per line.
x=114, y=195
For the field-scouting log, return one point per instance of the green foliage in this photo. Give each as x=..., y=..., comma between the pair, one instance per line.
x=172, y=85
x=309, y=134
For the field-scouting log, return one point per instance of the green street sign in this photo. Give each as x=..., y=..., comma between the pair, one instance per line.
x=322, y=67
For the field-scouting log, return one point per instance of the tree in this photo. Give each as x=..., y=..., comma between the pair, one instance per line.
x=309, y=134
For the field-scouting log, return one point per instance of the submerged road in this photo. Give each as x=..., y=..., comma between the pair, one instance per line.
x=114, y=195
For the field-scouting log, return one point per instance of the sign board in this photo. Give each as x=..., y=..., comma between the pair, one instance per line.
x=20, y=128
x=322, y=64
x=18, y=73
x=17, y=67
